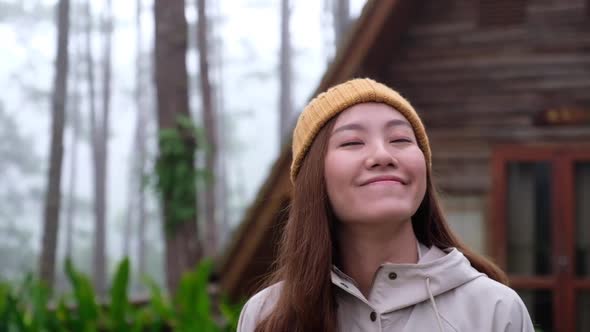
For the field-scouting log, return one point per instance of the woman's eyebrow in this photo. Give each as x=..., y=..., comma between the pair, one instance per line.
x=398, y=122
x=350, y=126
x=356, y=126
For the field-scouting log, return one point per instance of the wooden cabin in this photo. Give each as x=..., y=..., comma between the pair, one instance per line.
x=503, y=87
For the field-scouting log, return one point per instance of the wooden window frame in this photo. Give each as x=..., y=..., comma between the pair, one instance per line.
x=562, y=282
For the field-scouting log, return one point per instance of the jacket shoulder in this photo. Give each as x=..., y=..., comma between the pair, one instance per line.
x=496, y=303
x=487, y=288
x=258, y=307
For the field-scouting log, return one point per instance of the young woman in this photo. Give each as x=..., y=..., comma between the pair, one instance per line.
x=366, y=246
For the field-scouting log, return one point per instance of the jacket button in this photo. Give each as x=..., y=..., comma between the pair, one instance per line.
x=373, y=316
x=392, y=275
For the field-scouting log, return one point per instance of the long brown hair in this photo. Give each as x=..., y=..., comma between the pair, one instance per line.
x=308, y=248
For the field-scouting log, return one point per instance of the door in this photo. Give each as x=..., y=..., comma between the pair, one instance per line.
x=540, y=231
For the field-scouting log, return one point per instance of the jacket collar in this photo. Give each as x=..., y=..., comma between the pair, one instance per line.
x=446, y=269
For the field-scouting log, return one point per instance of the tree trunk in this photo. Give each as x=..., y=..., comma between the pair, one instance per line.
x=94, y=132
x=101, y=162
x=90, y=79
x=210, y=124
x=221, y=199
x=53, y=193
x=285, y=101
x=71, y=205
x=182, y=246
x=130, y=213
x=141, y=146
x=341, y=12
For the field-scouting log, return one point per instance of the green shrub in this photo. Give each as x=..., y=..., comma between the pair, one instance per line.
x=28, y=307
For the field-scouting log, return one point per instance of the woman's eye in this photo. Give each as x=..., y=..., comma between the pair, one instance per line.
x=351, y=143
x=401, y=140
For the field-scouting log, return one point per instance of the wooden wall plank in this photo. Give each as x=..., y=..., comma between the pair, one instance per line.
x=483, y=85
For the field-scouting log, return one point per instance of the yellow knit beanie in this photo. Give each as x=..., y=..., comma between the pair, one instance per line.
x=340, y=97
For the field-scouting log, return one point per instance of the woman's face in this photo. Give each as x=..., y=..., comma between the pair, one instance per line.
x=374, y=169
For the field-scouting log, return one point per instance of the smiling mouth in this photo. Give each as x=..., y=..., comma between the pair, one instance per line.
x=385, y=182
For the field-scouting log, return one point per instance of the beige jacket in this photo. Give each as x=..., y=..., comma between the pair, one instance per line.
x=442, y=292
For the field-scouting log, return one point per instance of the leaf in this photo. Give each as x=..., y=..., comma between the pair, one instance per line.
x=119, y=301
x=39, y=296
x=143, y=320
x=202, y=282
x=185, y=122
x=63, y=315
x=157, y=301
x=231, y=313
x=168, y=134
x=16, y=316
x=84, y=298
x=192, y=300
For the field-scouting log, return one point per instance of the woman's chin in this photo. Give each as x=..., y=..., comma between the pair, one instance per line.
x=384, y=216
x=387, y=211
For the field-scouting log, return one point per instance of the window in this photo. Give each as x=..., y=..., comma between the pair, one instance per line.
x=541, y=230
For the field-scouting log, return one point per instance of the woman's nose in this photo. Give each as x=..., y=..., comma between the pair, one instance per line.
x=380, y=156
